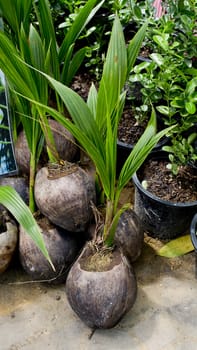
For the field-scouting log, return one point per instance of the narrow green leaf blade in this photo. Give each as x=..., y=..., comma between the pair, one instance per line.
x=48, y=35
x=83, y=17
x=14, y=203
x=114, y=75
x=74, y=65
x=134, y=47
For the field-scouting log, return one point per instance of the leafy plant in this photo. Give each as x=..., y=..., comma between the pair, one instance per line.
x=182, y=151
x=94, y=124
x=168, y=78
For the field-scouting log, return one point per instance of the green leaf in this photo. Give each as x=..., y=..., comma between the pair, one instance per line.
x=141, y=66
x=156, y=57
x=177, y=247
x=92, y=100
x=137, y=11
x=48, y=35
x=190, y=107
x=14, y=203
x=163, y=110
x=82, y=19
x=74, y=65
x=134, y=47
x=114, y=75
x=191, y=86
x=14, y=69
x=16, y=13
x=162, y=41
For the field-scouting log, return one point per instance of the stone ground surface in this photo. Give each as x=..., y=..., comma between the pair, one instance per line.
x=37, y=316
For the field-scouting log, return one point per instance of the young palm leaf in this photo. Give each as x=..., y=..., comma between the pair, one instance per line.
x=14, y=203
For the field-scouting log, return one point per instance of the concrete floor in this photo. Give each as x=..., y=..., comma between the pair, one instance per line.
x=37, y=316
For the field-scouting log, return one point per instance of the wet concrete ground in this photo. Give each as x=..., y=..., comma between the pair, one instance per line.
x=37, y=316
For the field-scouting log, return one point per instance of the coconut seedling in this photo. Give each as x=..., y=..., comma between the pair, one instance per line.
x=101, y=285
x=38, y=47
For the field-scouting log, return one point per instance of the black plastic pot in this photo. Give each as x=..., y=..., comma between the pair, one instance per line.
x=123, y=148
x=193, y=234
x=160, y=218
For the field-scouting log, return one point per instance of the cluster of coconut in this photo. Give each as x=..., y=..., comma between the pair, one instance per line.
x=65, y=195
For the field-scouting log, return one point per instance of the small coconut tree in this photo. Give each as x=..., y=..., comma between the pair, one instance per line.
x=101, y=285
x=36, y=44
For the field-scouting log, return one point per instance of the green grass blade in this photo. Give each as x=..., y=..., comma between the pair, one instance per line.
x=37, y=56
x=114, y=75
x=74, y=65
x=16, y=12
x=17, y=74
x=83, y=17
x=79, y=111
x=134, y=47
x=92, y=100
x=48, y=35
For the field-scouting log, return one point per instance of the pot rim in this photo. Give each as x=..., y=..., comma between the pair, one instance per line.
x=193, y=229
x=137, y=183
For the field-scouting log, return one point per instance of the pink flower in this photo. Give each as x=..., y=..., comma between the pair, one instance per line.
x=159, y=9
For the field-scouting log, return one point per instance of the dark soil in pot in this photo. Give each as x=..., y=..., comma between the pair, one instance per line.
x=160, y=181
x=101, y=287
x=165, y=203
x=129, y=132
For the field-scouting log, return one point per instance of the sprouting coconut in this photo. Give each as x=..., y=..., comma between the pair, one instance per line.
x=101, y=294
x=22, y=153
x=62, y=247
x=63, y=193
x=8, y=239
x=101, y=287
x=64, y=141
x=129, y=235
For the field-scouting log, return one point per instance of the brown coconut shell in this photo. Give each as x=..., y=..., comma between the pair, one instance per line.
x=8, y=241
x=129, y=235
x=64, y=141
x=19, y=183
x=101, y=299
x=22, y=153
x=65, y=200
x=61, y=246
